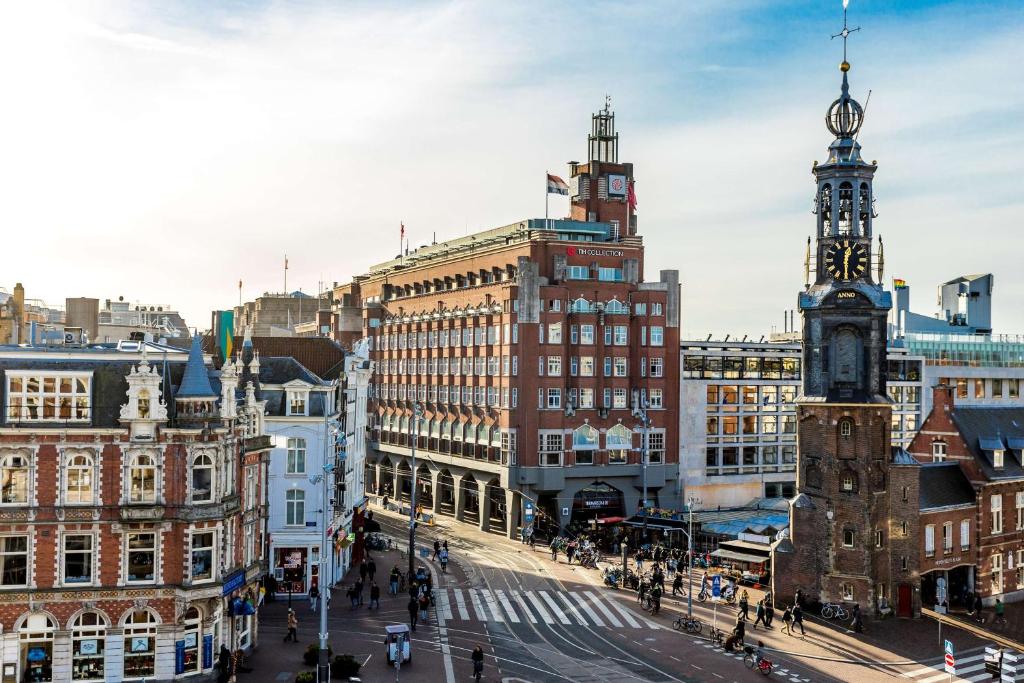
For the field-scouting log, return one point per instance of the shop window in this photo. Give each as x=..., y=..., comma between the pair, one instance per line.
x=193, y=621
x=78, y=558
x=142, y=479
x=14, y=561
x=202, y=478
x=88, y=633
x=201, y=556
x=14, y=477
x=141, y=554
x=140, y=644
x=296, y=456
x=35, y=638
x=79, y=482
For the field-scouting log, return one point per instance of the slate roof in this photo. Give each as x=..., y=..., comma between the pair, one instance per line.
x=982, y=427
x=943, y=484
x=322, y=356
x=196, y=382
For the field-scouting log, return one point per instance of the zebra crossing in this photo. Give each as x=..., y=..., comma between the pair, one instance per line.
x=791, y=675
x=970, y=666
x=571, y=608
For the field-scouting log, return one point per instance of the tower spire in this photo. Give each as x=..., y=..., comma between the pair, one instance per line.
x=845, y=115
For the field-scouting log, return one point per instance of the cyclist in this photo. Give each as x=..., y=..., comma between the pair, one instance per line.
x=444, y=561
x=478, y=662
x=655, y=598
x=759, y=653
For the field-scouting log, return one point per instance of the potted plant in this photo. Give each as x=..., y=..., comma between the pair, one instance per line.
x=306, y=677
x=312, y=654
x=345, y=666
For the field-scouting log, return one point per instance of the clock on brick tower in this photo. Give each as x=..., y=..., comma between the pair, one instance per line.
x=843, y=544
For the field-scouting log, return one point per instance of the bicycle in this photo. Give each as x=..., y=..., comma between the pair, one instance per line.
x=834, y=611
x=717, y=637
x=689, y=624
x=764, y=666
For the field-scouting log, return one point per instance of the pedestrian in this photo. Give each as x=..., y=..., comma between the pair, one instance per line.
x=413, y=608
x=655, y=599
x=478, y=661
x=641, y=590
x=445, y=544
x=371, y=569
x=745, y=605
x=799, y=597
x=570, y=550
x=671, y=565
x=424, y=604
x=364, y=569
x=1000, y=613
x=554, y=550
x=677, y=584
x=769, y=613
x=787, y=619
x=359, y=591
x=293, y=626
x=857, y=622
x=224, y=664
x=314, y=598
x=759, y=615
x=437, y=549
x=444, y=560
x=798, y=618
x=639, y=559
x=658, y=577
x=738, y=633
x=979, y=607
x=353, y=597
x=374, y=595
x=396, y=575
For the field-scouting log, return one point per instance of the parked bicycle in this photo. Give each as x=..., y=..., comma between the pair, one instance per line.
x=717, y=636
x=688, y=624
x=832, y=610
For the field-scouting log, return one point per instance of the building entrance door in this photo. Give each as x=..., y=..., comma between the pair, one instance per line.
x=905, y=606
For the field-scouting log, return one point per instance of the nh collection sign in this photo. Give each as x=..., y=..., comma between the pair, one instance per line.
x=580, y=251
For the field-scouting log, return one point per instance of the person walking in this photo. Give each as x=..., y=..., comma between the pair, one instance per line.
x=798, y=618
x=641, y=590
x=1000, y=610
x=371, y=569
x=314, y=598
x=745, y=605
x=374, y=595
x=293, y=626
x=759, y=615
x=554, y=549
x=857, y=622
x=224, y=664
x=677, y=585
x=444, y=561
x=799, y=597
x=353, y=597
x=769, y=611
x=655, y=599
x=364, y=569
x=787, y=621
x=979, y=609
x=478, y=662
x=437, y=549
x=359, y=591
x=424, y=605
x=639, y=560
x=659, y=577
x=393, y=579
x=413, y=608
x=570, y=551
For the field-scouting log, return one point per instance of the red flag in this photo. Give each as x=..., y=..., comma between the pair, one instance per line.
x=631, y=196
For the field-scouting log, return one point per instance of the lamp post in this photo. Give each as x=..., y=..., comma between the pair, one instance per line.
x=331, y=428
x=414, y=432
x=690, y=502
x=645, y=425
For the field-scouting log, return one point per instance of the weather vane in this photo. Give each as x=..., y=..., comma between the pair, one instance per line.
x=845, y=33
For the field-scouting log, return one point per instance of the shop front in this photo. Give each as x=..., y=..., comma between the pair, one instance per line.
x=296, y=566
x=596, y=502
x=35, y=641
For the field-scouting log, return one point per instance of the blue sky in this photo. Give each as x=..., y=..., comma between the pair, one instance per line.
x=162, y=153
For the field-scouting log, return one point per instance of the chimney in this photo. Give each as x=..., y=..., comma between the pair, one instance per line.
x=942, y=398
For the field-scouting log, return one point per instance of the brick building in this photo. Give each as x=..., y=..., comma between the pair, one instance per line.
x=131, y=510
x=534, y=350
x=985, y=443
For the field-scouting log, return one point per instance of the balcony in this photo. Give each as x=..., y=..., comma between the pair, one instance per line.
x=255, y=444
x=228, y=506
x=142, y=512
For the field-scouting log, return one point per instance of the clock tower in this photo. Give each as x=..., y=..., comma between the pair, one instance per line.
x=844, y=545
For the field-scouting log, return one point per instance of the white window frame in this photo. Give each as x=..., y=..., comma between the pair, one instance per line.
x=9, y=463
x=939, y=450
x=294, y=446
x=20, y=400
x=297, y=403
x=192, y=551
x=965, y=534
x=947, y=537
x=28, y=559
x=997, y=573
x=92, y=551
x=294, y=503
x=204, y=460
x=90, y=470
x=657, y=335
x=132, y=458
x=996, y=507
x=929, y=540
x=127, y=550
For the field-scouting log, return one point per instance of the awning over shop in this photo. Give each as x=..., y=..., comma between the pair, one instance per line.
x=650, y=525
x=610, y=520
x=738, y=557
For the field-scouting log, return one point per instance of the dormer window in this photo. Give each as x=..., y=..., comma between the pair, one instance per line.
x=938, y=451
x=298, y=403
x=997, y=459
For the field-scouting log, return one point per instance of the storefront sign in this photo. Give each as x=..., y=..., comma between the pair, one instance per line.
x=179, y=656
x=581, y=251
x=233, y=582
x=597, y=503
x=948, y=560
x=140, y=644
x=207, y=651
x=88, y=647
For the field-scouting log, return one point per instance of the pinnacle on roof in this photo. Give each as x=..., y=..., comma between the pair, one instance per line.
x=196, y=382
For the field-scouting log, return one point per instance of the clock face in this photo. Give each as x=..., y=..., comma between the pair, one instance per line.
x=846, y=260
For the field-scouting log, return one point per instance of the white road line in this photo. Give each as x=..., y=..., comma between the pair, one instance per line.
x=526, y=610
x=481, y=615
x=586, y=608
x=572, y=608
x=503, y=599
x=625, y=613
x=539, y=607
x=460, y=603
x=554, y=607
x=444, y=606
x=492, y=605
x=960, y=661
x=604, y=610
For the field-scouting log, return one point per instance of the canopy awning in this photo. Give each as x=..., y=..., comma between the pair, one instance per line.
x=610, y=520
x=650, y=525
x=738, y=557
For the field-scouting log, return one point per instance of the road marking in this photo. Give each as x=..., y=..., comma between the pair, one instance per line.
x=526, y=610
x=503, y=599
x=572, y=608
x=492, y=605
x=444, y=606
x=554, y=608
x=604, y=610
x=586, y=608
x=625, y=613
x=460, y=603
x=539, y=607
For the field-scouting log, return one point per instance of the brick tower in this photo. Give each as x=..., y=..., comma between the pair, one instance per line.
x=601, y=187
x=843, y=544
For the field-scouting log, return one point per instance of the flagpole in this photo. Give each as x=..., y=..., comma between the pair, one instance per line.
x=547, y=194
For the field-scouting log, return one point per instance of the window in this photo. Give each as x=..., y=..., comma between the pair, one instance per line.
x=997, y=459
x=619, y=366
x=657, y=367
x=13, y=561
x=140, y=645
x=193, y=626
x=621, y=335
x=202, y=478
x=609, y=274
x=586, y=334
x=655, y=447
x=847, y=481
x=657, y=335
x=78, y=484
x=947, y=537
x=586, y=397
x=88, y=633
x=296, y=456
x=202, y=556
x=749, y=395
x=979, y=388
x=554, y=398
x=63, y=398
x=848, y=538
x=845, y=428
x=965, y=534
x=555, y=333
x=554, y=366
x=577, y=273
x=142, y=479
x=618, y=398
x=640, y=309
x=1020, y=510
x=847, y=590
x=78, y=558
x=769, y=424
x=929, y=540
x=938, y=451
x=997, y=573
x=619, y=441
x=550, y=450
x=585, y=438
x=540, y=366
x=996, y=505
x=1020, y=569
x=14, y=475
x=586, y=367
x=904, y=529
x=141, y=554
x=879, y=538
x=297, y=402
x=657, y=398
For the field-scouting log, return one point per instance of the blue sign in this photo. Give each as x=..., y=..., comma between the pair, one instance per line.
x=949, y=647
x=207, y=651
x=716, y=586
x=179, y=657
x=233, y=582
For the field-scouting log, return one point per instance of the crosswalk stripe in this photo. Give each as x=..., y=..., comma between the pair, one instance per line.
x=586, y=608
x=526, y=610
x=604, y=610
x=503, y=599
x=444, y=606
x=477, y=607
x=555, y=609
x=572, y=608
x=539, y=607
x=492, y=605
x=460, y=603
x=624, y=613
x=960, y=661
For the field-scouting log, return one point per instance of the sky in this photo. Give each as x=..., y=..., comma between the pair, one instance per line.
x=162, y=152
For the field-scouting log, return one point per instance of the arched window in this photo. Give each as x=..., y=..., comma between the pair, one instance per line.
x=14, y=479
x=193, y=636
x=845, y=214
x=88, y=631
x=140, y=644
x=295, y=507
x=35, y=636
x=580, y=305
x=202, y=478
x=446, y=429
x=78, y=484
x=845, y=428
x=296, y=456
x=619, y=441
x=585, y=438
x=142, y=479
x=616, y=306
x=864, y=200
x=825, y=209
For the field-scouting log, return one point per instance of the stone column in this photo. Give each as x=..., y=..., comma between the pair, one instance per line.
x=435, y=476
x=485, y=506
x=513, y=501
x=460, y=498
x=376, y=477
x=396, y=491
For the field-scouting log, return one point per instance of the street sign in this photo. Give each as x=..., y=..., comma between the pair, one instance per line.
x=528, y=512
x=950, y=664
x=716, y=586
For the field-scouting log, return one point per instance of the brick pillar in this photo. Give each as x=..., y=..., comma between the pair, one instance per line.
x=460, y=498
x=485, y=506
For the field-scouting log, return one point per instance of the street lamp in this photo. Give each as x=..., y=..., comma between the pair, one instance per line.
x=640, y=412
x=331, y=429
x=414, y=433
x=690, y=502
